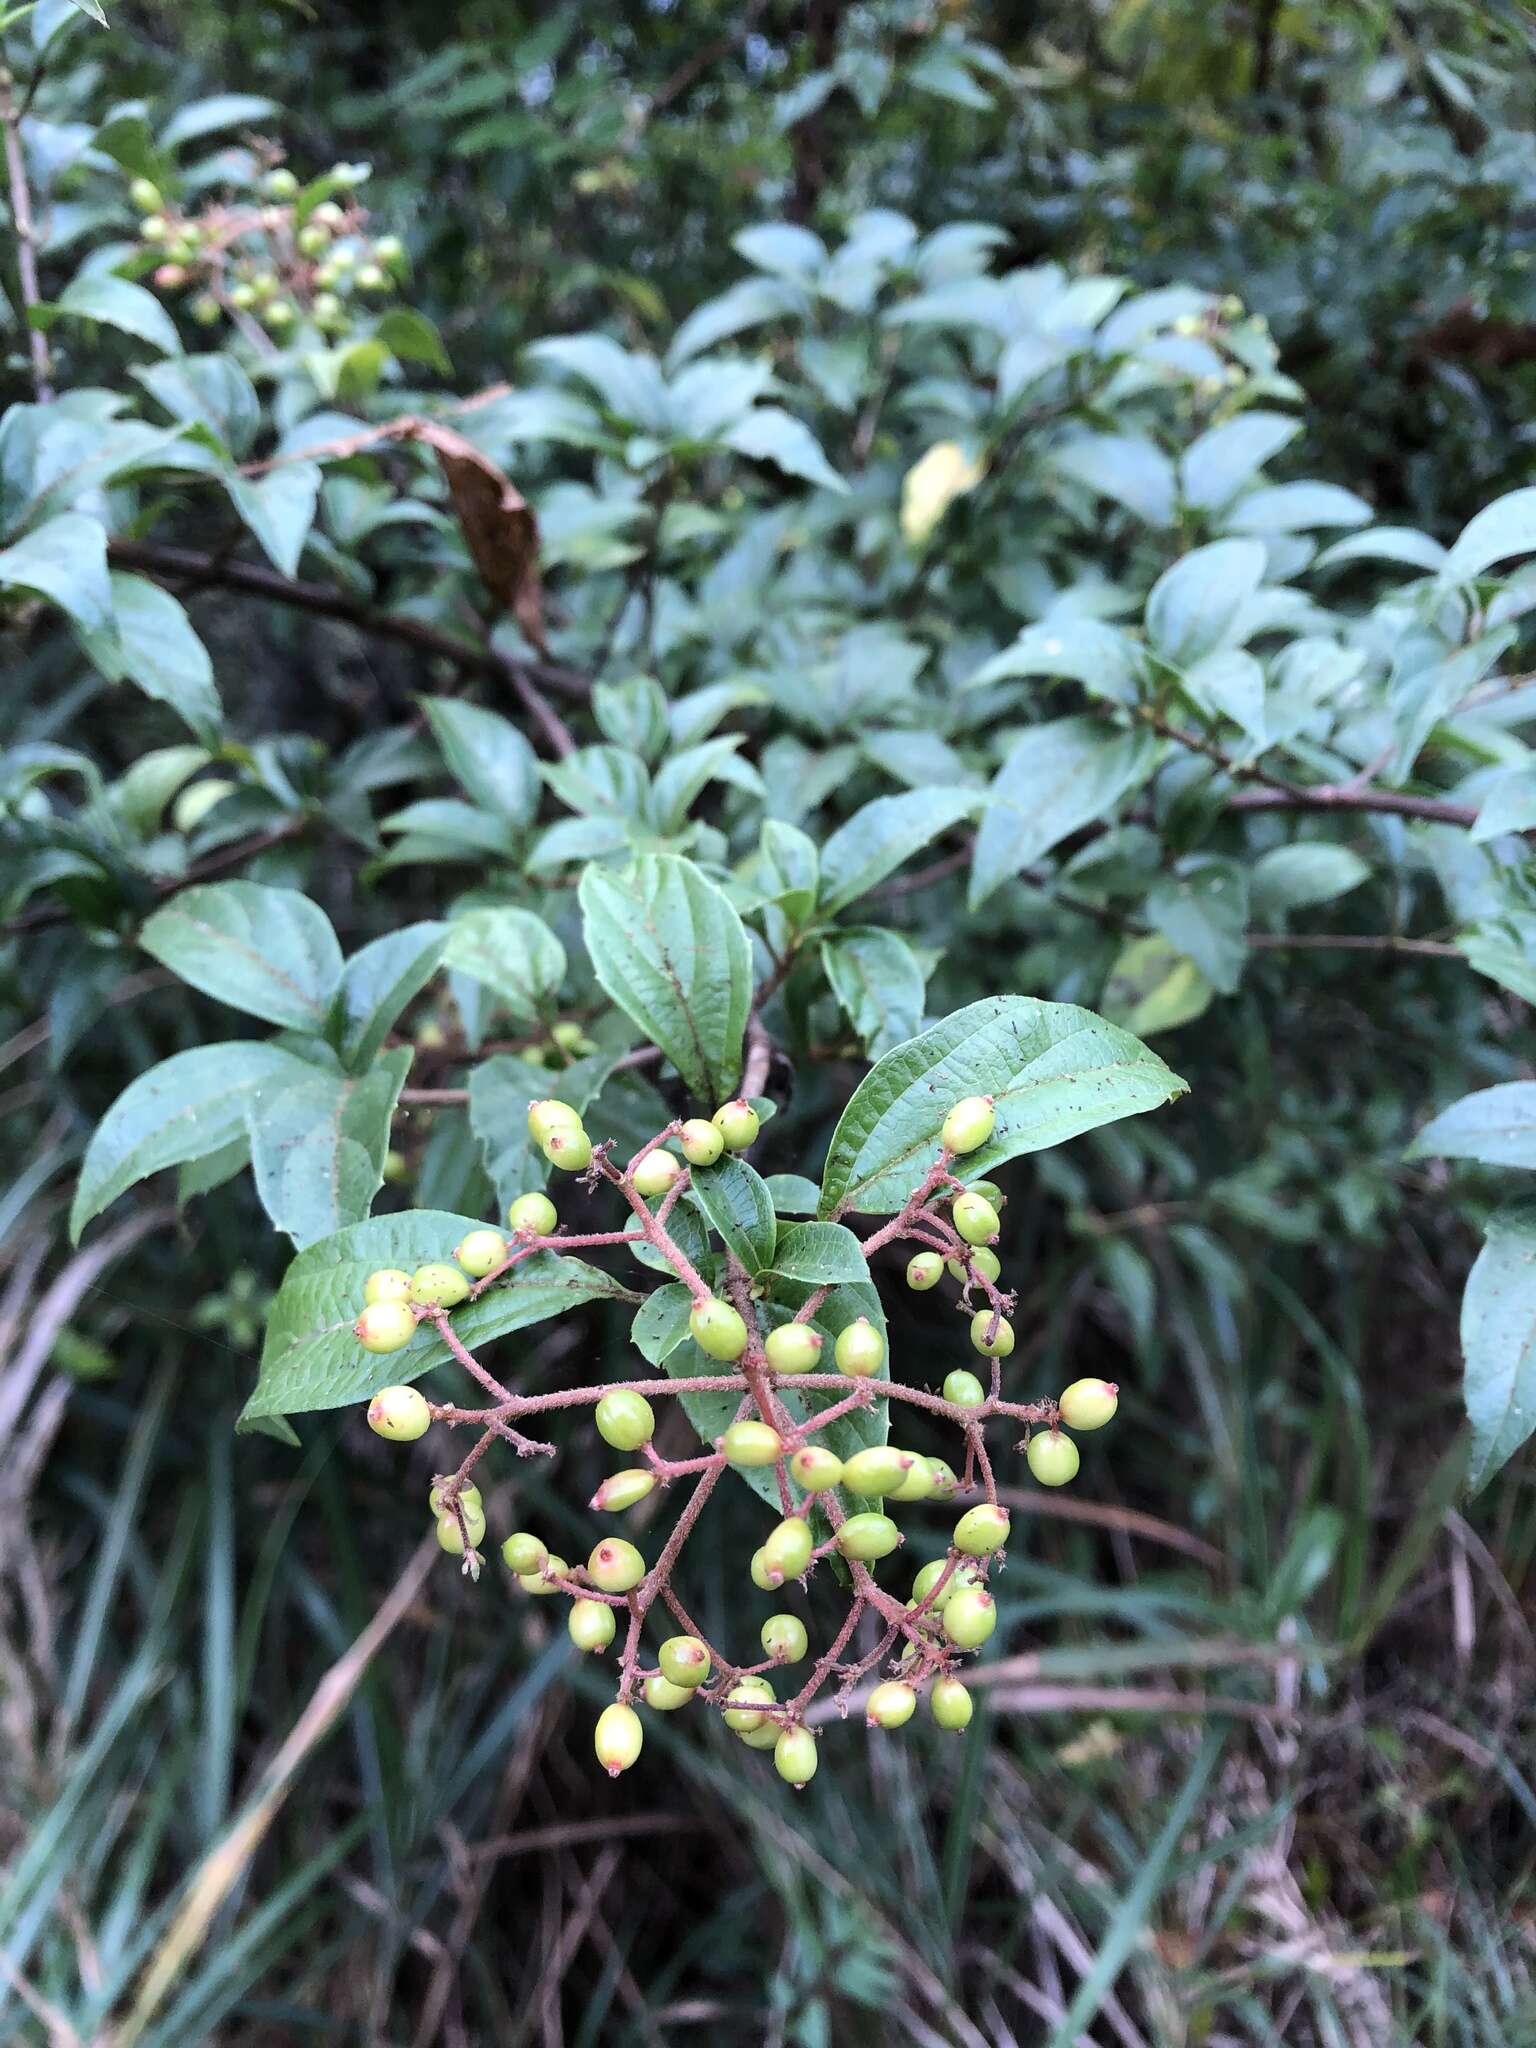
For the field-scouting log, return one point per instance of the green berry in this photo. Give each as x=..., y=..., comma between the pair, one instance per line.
x=989, y=1192
x=280, y=184
x=656, y=1173
x=983, y=1261
x=387, y=1284
x=944, y=1477
x=280, y=315
x=752, y=1444
x=1052, y=1457
x=314, y=239
x=684, y=1661
x=743, y=1719
x=737, y=1124
x=156, y=229
x=783, y=1637
x=975, y=1218
x=663, y=1695
x=625, y=1419
x=370, y=278
x=859, y=1350
x=396, y=1166
x=570, y=1150
x=451, y=1536
x=144, y=194
x=591, y=1624
x=618, y=1738
x=242, y=297
x=816, y=1468
x=622, y=1490
x=794, y=1756
x=524, y=1554
x=891, y=1705
x=759, y=1570
x=385, y=1326
x=548, y=1116
x=399, y=1413
x=950, y=1704
x=867, y=1537
x=787, y=1551
x=718, y=1330
x=615, y=1566
x=534, y=1213
x=437, y=1499
x=793, y=1347
x=482, y=1252
x=879, y=1469
x=543, y=1580
x=265, y=284
x=931, y=1574
x=981, y=1530
x=964, y=1389
x=990, y=1342
x=329, y=214
x=925, y=1270
x=765, y=1737
x=970, y=1617
x=969, y=1124
x=702, y=1144
x=916, y=1480
x=1089, y=1404
x=438, y=1286
x=206, y=310
x=390, y=250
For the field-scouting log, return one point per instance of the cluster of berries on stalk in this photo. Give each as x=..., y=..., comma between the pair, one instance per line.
x=829, y=1503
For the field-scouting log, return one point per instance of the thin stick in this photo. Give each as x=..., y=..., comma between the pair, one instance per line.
x=26, y=237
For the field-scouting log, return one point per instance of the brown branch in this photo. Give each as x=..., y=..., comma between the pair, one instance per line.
x=219, y=862
x=26, y=236
x=1352, y=942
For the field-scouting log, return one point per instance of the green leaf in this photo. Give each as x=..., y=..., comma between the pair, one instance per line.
x=98, y=295
x=876, y=978
x=669, y=949
x=1307, y=873
x=1057, y=778
x=820, y=1254
x=1494, y=1125
x=279, y=510
x=738, y=1206
x=377, y=983
x=318, y=1141
x=1508, y=805
x=500, y=1090
x=661, y=1322
x=789, y=869
x=65, y=561
x=188, y=1107
x=793, y=1194
x=1126, y=468
x=311, y=1359
x=1216, y=466
x=769, y=434
x=1054, y=1071
x=1100, y=657
x=270, y=952
x=488, y=758
x=411, y=337
x=877, y=839
x=155, y=646
x=512, y=953
x=198, y=118
x=1195, y=605
x=1506, y=527
x=1498, y=1341
x=1153, y=987
x=1202, y=911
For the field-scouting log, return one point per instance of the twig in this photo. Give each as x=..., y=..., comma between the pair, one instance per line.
x=26, y=236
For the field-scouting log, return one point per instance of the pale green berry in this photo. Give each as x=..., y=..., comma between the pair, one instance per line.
x=931, y=1575
x=816, y=1468
x=969, y=1124
x=684, y=1661
x=280, y=184
x=206, y=310
x=1089, y=1404
x=242, y=297
x=793, y=1347
x=970, y=1617
x=656, y=1173
x=975, y=1218
x=387, y=1284
x=533, y=1212
x=437, y=1499
x=924, y=1270
x=859, y=1350
x=794, y=1756
x=1052, y=1457
x=385, y=1326
x=438, y=1286
x=451, y=1536
x=983, y=1261
x=879, y=1469
x=482, y=1252
x=621, y=1490
x=765, y=1737
x=280, y=315
x=759, y=1571
x=989, y=1192
x=145, y=196
x=868, y=1537
x=916, y=1480
x=737, y=1124
x=313, y=238
x=618, y=1738
x=783, y=1637
x=156, y=229
x=702, y=1144
x=944, y=1477
x=591, y=1624
x=663, y=1695
x=964, y=1389
x=615, y=1566
x=265, y=284
x=625, y=1419
x=981, y=1530
x=543, y=1580
x=787, y=1550
x=389, y=249
x=741, y=1720
x=524, y=1554
x=371, y=278
x=396, y=1166
x=950, y=1704
x=570, y=1150
x=548, y=1116
x=752, y=1444
x=329, y=214
x=718, y=1330
x=890, y=1705
x=990, y=1342
x=399, y=1413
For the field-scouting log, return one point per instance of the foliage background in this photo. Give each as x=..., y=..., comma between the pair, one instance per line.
x=1259, y=1761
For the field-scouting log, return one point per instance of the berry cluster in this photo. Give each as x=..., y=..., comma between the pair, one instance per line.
x=823, y=1497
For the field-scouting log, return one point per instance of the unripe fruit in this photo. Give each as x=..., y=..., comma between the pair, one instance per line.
x=816, y=1468
x=793, y=1347
x=280, y=315
x=860, y=1350
x=916, y=1481
x=737, y=1124
x=924, y=1270
x=890, y=1705
x=1089, y=1404
x=533, y=1212
x=787, y=1551
x=314, y=239
x=387, y=1284
x=370, y=278
x=469, y=1495
x=794, y=1756
x=591, y=1624
x=570, y=1150
x=742, y=1720
x=663, y=1695
x=751, y=1444
x=970, y=1617
x=944, y=1478
x=242, y=297
x=656, y=1173
x=206, y=310
x=156, y=229
x=983, y=1261
x=439, y=1286
x=718, y=1330
x=264, y=283
x=783, y=1637
x=280, y=184
x=482, y=1252
x=329, y=214
x=931, y=1574
x=389, y=249
x=617, y=1738
x=543, y=1581
x=615, y=1566
x=430, y=1036
x=991, y=1343
x=989, y=1192
x=969, y=1124
x=145, y=195
x=684, y=1660
x=524, y=1554
x=549, y=1116
x=879, y=1469
x=867, y=1537
x=981, y=1530
x=396, y=1166
x=975, y=1218
x=451, y=1537
x=399, y=1413
x=759, y=1571
x=625, y=1419
x=622, y=1490
x=964, y=1389
x=702, y=1143
x=1052, y=1457
x=385, y=1326
x=765, y=1737
x=950, y=1704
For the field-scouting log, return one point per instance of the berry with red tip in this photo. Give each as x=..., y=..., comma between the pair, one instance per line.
x=759, y=1571
x=591, y=1624
x=570, y=1150
x=625, y=1419
x=924, y=1270
x=916, y=1480
x=615, y=1566
x=969, y=1124
x=970, y=1617
x=1052, y=1457
x=684, y=1660
x=399, y=1413
x=524, y=1554
x=665, y=1697
x=743, y=1719
x=794, y=1756
x=945, y=1480
x=702, y=1144
x=482, y=1252
x=387, y=1284
x=983, y=1261
x=751, y=1444
x=964, y=1389
x=981, y=1530
x=868, y=1537
x=618, y=1738
x=385, y=1326
x=656, y=1173
x=992, y=1334
x=438, y=1286
x=787, y=1550
x=718, y=1330
x=1089, y=1404
x=621, y=1490
x=544, y=1580
x=783, y=1638
x=533, y=1212
x=975, y=1218
x=950, y=1704
x=816, y=1468
x=859, y=1350
x=891, y=1705
x=548, y=1116
x=793, y=1347
x=737, y=1124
